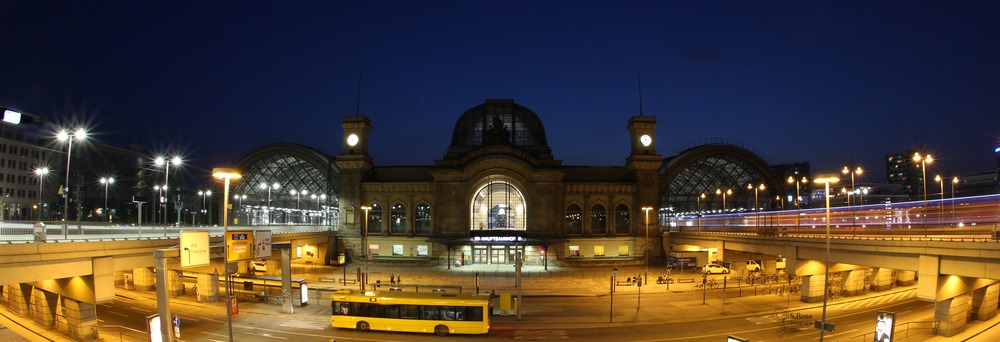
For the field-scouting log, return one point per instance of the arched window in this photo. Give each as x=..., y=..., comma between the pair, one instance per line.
x=422, y=221
x=598, y=219
x=573, y=220
x=622, y=221
x=397, y=219
x=498, y=205
x=375, y=219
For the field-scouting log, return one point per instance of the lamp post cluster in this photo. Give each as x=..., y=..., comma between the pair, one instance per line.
x=206, y=212
x=79, y=134
x=719, y=192
x=798, y=196
x=163, y=161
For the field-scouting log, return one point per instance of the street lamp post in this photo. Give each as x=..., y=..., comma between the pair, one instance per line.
x=756, y=206
x=298, y=199
x=858, y=172
x=924, y=160
x=204, y=196
x=937, y=178
x=645, y=248
x=364, y=242
x=826, y=180
x=698, y=199
x=227, y=175
x=954, y=181
x=64, y=135
x=725, y=219
x=240, y=198
x=41, y=172
x=267, y=213
x=106, y=181
x=176, y=160
x=798, y=197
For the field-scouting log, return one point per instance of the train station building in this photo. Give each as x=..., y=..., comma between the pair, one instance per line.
x=499, y=190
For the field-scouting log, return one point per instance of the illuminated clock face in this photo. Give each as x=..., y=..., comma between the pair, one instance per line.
x=645, y=140
x=352, y=139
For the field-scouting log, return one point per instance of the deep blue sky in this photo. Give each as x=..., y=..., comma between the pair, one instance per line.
x=823, y=82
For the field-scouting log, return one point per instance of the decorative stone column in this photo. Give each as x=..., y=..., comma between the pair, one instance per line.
x=81, y=319
x=882, y=279
x=812, y=288
x=20, y=295
x=143, y=279
x=175, y=283
x=44, y=304
x=951, y=314
x=208, y=288
x=854, y=283
x=984, y=302
x=905, y=278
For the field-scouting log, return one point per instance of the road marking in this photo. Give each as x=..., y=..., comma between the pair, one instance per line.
x=140, y=310
x=115, y=313
x=547, y=334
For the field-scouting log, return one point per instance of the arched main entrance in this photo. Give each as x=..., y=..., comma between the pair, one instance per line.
x=497, y=222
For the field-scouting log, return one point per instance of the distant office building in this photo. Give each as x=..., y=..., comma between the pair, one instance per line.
x=973, y=184
x=27, y=143
x=903, y=170
x=20, y=154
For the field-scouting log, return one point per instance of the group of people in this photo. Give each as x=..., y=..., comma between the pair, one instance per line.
x=395, y=279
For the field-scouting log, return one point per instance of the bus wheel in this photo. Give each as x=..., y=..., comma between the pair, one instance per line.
x=364, y=326
x=441, y=330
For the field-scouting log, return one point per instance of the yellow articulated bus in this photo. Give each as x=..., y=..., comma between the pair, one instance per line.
x=438, y=313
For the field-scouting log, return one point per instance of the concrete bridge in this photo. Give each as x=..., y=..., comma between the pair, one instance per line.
x=59, y=282
x=960, y=275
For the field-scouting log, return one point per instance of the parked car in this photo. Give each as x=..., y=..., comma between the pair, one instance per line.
x=258, y=266
x=753, y=266
x=715, y=269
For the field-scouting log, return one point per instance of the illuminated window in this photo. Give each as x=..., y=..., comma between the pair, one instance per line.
x=397, y=249
x=598, y=220
x=422, y=222
x=574, y=251
x=573, y=224
x=498, y=205
x=422, y=250
x=598, y=250
x=623, y=251
x=397, y=218
x=373, y=249
x=375, y=218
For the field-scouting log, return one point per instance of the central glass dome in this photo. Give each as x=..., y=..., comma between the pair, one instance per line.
x=499, y=122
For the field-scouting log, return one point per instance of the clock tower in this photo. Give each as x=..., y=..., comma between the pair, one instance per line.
x=644, y=163
x=355, y=168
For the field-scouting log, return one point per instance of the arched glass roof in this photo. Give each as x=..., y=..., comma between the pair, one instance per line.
x=291, y=167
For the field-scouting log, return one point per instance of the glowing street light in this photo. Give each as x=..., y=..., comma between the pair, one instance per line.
x=364, y=238
x=826, y=180
x=267, y=213
x=41, y=172
x=106, y=181
x=79, y=134
x=646, y=245
x=724, y=193
x=227, y=175
x=954, y=181
x=240, y=198
x=923, y=160
x=798, y=197
x=699, y=199
x=756, y=206
x=176, y=160
x=298, y=199
x=204, y=196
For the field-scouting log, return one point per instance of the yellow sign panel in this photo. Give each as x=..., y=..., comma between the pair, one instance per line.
x=239, y=245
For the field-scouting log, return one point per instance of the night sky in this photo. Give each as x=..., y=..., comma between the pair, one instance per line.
x=820, y=82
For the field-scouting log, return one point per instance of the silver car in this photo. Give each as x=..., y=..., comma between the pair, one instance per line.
x=715, y=269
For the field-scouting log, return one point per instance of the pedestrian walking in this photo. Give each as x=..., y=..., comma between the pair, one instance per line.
x=392, y=279
x=398, y=279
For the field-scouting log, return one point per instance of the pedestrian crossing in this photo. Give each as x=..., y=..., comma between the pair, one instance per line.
x=780, y=313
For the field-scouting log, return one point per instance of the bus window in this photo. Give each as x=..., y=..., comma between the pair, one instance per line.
x=431, y=312
x=340, y=308
x=474, y=313
x=448, y=313
x=410, y=311
x=391, y=311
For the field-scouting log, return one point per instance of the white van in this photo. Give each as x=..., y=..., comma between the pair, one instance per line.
x=753, y=266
